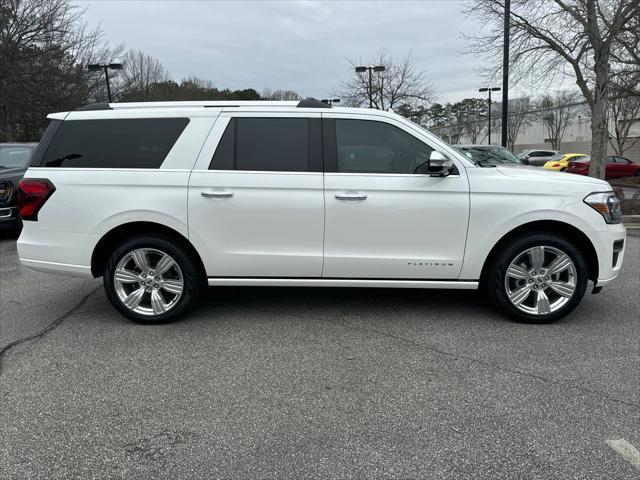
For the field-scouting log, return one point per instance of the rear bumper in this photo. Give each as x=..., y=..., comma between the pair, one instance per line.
x=8, y=215
x=53, y=267
x=54, y=251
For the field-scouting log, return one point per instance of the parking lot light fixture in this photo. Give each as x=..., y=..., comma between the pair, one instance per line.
x=96, y=67
x=489, y=90
x=371, y=68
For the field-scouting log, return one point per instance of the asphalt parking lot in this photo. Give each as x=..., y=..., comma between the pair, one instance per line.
x=300, y=383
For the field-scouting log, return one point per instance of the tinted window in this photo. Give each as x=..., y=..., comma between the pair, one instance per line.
x=366, y=146
x=14, y=156
x=264, y=144
x=224, y=157
x=118, y=143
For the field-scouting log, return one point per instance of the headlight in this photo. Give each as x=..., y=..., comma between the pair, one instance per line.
x=607, y=204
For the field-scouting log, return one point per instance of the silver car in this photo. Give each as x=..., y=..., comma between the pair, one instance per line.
x=538, y=158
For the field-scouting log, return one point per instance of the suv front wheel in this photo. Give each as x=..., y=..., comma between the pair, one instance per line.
x=537, y=278
x=149, y=279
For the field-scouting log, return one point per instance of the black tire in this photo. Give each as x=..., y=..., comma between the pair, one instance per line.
x=495, y=278
x=189, y=273
x=564, y=169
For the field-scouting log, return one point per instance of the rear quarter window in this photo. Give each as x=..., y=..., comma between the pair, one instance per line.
x=113, y=143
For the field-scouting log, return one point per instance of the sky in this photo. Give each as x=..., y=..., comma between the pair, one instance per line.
x=297, y=45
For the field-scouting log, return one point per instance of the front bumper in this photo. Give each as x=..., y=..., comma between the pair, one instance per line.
x=610, y=246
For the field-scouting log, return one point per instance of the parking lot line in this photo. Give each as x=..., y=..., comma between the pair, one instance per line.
x=626, y=450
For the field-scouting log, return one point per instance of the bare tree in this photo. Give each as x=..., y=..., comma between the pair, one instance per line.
x=473, y=117
x=44, y=49
x=268, y=94
x=141, y=71
x=518, y=117
x=568, y=37
x=475, y=129
x=625, y=60
x=623, y=113
x=400, y=86
x=557, y=110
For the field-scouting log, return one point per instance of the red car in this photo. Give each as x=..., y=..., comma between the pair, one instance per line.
x=616, y=167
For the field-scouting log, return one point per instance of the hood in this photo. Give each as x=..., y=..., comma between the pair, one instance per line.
x=538, y=173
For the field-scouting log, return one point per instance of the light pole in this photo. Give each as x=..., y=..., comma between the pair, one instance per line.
x=376, y=68
x=505, y=71
x=96, y=67
x=489, y=89
x=330, y=101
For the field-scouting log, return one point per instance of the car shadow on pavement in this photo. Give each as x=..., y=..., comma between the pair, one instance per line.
x=334, y=303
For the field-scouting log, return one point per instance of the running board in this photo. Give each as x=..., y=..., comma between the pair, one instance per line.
x=340, y=282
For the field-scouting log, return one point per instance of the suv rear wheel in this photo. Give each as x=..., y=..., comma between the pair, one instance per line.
x=537, y=278
x=149, y=279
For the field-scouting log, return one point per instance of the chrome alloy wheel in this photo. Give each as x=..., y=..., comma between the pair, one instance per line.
x=540, y=280
x=148, y=281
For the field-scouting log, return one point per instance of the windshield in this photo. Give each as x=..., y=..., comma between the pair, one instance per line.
x=505, y=154
x=14, y=156
x=490, y=155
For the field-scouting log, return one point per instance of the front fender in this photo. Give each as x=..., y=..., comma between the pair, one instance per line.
x=485, y=230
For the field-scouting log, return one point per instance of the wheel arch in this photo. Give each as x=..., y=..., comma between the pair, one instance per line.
x=571, y=233
x=116, y=235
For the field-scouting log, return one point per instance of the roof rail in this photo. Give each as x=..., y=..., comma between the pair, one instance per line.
x=204, y=104
x=306, y=103
x=312, y=103
x=94, y=106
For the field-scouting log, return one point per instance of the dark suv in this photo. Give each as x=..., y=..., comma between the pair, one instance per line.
x=14, y=161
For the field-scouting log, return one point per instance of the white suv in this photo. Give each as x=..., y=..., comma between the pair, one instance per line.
x=162, y=199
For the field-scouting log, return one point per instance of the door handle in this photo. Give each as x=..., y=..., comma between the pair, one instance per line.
x=217, y=194
x=351, y=196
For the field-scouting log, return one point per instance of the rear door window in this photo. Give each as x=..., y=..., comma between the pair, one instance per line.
x=113, y=143
x=268, y=144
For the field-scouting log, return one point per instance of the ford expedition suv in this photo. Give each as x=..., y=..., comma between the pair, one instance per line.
x=164, y=199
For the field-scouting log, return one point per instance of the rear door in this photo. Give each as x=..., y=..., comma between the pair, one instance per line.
x=386, y=218
x=538, y=158
x=622, y=168
x=613, y=169
x=256, y=206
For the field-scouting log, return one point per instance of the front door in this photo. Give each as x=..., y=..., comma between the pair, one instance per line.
x=256, y=206
x=385, y=217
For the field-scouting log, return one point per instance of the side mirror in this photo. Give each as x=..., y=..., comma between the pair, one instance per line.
x=439, y=164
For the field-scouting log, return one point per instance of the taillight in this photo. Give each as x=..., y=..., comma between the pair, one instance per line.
x=32, y=195
x=555, y=165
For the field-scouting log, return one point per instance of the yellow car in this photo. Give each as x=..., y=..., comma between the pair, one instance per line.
x=561, y=165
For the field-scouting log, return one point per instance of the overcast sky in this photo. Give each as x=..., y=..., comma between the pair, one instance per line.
x=297, y=45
